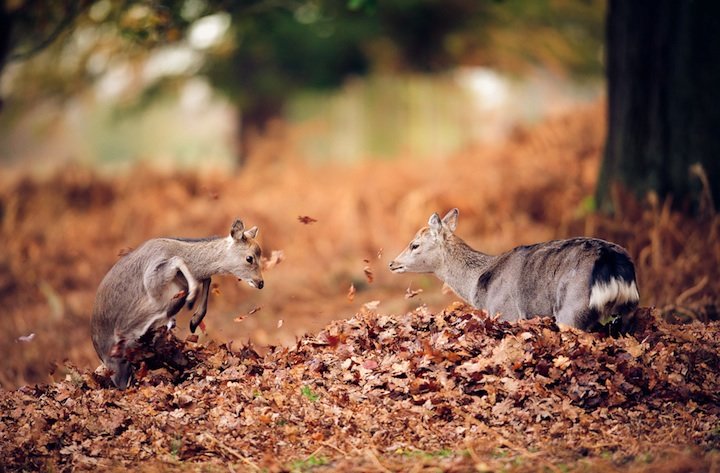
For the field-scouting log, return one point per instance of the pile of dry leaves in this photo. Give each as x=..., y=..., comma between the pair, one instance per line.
x=455, y=390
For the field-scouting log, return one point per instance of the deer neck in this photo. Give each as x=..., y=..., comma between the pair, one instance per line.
x=205, y=257
x=461, y=268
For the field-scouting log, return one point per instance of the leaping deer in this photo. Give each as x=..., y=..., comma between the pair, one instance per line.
x=146, y=288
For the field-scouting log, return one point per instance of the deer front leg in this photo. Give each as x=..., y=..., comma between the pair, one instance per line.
x=199, y=314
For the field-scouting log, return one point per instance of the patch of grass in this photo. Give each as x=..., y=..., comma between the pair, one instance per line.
x=175, y=445
x=308, y=463
x=442, y=453
x=309, y=394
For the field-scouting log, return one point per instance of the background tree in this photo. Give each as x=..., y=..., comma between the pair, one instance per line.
x=278, y=49
x=663, y=73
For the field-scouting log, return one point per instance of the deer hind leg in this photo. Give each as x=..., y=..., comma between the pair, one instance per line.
x=201, y=310
x=164, y=281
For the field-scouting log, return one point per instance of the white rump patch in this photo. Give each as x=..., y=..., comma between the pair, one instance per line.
x=615, y=290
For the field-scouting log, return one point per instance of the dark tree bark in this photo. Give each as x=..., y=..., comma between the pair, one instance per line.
x=663, y=69
x=5, y=32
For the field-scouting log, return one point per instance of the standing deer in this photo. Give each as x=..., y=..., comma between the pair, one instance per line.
x=146, y=288
x=581, y=282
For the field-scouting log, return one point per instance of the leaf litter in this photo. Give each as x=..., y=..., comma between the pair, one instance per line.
x=370, y=392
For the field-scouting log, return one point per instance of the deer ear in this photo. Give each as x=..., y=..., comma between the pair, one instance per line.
x=237, y=230
x=435, y=223
x=450, y=219
x=251, y=233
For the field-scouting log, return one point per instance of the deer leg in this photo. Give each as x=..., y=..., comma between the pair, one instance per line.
x=179, y=265
x=199, y=314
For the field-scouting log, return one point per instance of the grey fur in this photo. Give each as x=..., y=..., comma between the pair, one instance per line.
x=145, y=289
x=555, y=278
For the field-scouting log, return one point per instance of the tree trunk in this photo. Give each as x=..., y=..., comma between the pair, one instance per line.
x=663, y=70
x=253, y=122
x=6, y=24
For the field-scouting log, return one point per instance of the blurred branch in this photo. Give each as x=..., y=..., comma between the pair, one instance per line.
x=74, y=10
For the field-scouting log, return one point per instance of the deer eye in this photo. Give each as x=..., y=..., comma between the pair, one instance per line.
x=414, y=247
x=249, y=259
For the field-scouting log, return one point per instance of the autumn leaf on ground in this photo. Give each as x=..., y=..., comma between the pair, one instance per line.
x=142, y=372
x=368, y=274
x=306, y=220
x=410, y=293
x=254, y=309
x=380, y=253
x=215, y=289
x=239, y=318
x=561, y=362
x=202, y=327
x=351, y=292
x=276, y=257
x=280, y=323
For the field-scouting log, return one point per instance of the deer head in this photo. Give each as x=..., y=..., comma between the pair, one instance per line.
x=426, y=252
x=243, y=255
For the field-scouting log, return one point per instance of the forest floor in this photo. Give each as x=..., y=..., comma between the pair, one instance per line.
x=392, y=375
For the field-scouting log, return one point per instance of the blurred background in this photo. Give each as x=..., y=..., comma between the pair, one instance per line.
x=126, y=120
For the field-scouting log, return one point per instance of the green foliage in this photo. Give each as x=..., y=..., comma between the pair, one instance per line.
x=275, y=50
x=308, y=463
x=309, y=393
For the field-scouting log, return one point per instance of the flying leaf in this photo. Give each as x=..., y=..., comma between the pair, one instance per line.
x=26, y=338
x=125, y=251
x=276, y=257
x=372, y=305
x=410, y=293
x=368, y=274
x=306, y=220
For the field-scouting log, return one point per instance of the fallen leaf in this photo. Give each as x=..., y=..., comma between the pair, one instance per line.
x=239, y=318
x=142, y=372
x=370, y=364
x=561, y=362
x=280, y=323
x=254, y=309
x=306, y=220
x=351, y=292
x=380, y=253
x=215, y=289
x=202, y=326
